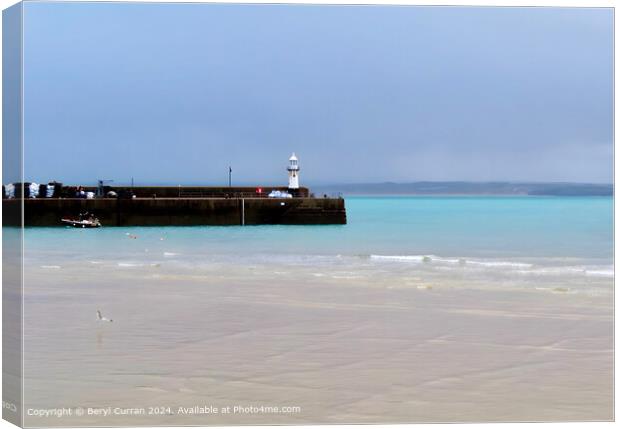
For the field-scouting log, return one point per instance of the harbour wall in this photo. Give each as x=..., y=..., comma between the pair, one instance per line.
x=171, y=211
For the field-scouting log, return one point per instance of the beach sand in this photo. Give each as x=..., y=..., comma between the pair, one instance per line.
x=343, y=349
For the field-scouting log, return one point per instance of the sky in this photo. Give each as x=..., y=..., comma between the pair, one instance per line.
x=175, y=93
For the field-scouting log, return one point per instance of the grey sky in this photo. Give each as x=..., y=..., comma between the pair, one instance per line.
x=175, y=92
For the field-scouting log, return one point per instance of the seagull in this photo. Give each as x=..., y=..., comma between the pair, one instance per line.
x=101, y=318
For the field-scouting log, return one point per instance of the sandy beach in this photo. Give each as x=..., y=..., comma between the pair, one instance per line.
x=334, y=348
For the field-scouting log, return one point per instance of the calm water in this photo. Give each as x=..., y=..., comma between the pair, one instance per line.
x=486, y=227
x=385, y=237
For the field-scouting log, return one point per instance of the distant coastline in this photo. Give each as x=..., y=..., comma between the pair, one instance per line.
x=469, y=188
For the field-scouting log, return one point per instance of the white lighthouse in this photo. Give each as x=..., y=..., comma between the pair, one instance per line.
x=293, y=172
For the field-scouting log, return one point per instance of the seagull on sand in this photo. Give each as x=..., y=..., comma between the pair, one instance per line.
x=100, y=318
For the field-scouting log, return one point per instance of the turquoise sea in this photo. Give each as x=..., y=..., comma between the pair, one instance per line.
x=580, y=227
x=505, y=235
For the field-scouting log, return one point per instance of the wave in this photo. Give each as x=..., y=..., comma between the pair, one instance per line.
x=600, y=273
x=416, y=258
x=510, y=266
x=501, y=264
x=459, y=261
x=129, y=264
x=607, y=272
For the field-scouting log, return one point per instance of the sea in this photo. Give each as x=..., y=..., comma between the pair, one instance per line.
x=519, y=239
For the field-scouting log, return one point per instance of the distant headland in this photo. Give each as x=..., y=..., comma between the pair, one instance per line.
x=470, y=188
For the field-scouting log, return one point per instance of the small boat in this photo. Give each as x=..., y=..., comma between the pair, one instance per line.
x=84, y=221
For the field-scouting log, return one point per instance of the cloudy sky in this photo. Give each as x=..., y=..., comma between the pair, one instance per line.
x=174, y=93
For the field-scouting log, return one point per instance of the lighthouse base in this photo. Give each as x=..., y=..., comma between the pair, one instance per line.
x=297, y=193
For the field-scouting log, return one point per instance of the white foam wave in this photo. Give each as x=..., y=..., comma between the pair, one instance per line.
x=600, y=273
x=412, y=258
x=517, y=267
x=591, y=271
x=499, y=264
x=452, y=261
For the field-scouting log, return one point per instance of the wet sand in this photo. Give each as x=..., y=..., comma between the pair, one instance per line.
x=344, y=350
